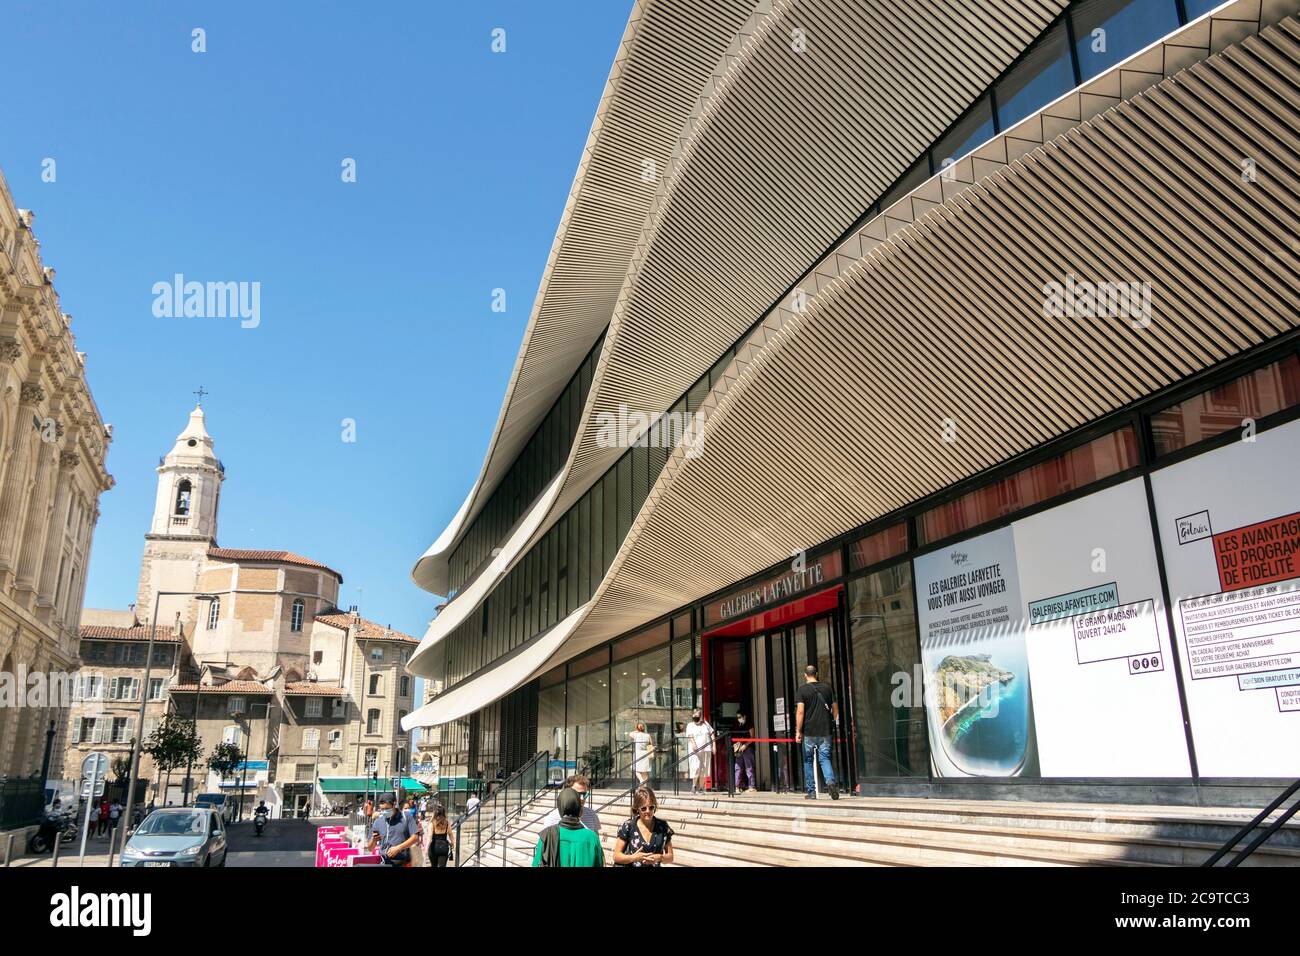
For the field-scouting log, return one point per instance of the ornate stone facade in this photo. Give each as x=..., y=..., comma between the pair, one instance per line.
x=52, y=447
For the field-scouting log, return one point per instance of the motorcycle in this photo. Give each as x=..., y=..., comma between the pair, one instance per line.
x=53, y=826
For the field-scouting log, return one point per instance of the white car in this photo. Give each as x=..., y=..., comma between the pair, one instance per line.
x=220, y=802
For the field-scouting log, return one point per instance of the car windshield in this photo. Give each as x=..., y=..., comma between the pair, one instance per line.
x=175, y=824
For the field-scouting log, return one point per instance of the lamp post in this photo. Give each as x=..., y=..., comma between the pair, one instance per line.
x=144, y=696
x=189, y=763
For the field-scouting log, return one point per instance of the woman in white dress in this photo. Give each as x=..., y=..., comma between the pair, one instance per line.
x=641, y=750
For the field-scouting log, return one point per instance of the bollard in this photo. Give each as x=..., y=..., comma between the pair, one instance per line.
x=112, y=840
x=9, y=849
x=58, y=838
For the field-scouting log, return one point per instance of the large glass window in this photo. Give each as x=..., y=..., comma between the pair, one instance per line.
x=1108, y=31
x=589, y=717
x=642, y=695
x=551, y=729
x=1227, y=407
x=889, y=723
x=1045, y=73
x=1069, y=471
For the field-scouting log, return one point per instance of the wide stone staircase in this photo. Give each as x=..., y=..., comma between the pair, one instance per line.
x=764, y=829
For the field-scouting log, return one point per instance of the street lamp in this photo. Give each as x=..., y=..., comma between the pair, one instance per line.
x=144, y=694
x=189, y=763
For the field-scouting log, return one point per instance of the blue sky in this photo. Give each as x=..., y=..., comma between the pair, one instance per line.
x=375, y=295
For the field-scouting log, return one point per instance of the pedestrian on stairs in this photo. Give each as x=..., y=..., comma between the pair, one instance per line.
x=699, y=750
x=644, y=840
x=589, y=817
x=814, y=719
x=568, y=843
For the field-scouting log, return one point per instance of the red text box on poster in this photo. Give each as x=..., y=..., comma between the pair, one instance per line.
x=1258, y=553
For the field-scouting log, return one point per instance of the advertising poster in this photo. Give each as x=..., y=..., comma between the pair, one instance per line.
x=1232, y=557
x=977, y=690
x=1105, y=689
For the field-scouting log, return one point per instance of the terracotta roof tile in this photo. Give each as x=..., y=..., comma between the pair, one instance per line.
x=370, y=630
x=140, y=632
x=312, y=689
x=276, y=557
x=230, y=687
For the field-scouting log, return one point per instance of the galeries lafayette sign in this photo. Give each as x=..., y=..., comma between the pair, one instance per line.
x=799, y=577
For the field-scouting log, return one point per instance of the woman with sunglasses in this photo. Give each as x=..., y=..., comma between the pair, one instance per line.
x=644, y=840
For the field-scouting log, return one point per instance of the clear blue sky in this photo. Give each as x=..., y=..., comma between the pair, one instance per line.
x=375, y=295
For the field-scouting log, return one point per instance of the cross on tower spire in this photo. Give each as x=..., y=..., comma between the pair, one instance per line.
x=200, y=393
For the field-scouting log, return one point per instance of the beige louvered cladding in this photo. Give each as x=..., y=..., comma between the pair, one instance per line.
x=838, y=418
x=787, y=149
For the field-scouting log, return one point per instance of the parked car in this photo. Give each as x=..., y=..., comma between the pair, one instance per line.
x=178, y=836
x=220, y=802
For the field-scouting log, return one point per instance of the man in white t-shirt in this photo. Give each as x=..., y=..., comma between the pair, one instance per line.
x=699, y=748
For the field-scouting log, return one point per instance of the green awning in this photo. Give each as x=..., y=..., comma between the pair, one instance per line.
x=361, y=785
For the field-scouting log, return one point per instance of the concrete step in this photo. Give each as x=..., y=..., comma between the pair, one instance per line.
x=785, y=830
x=1213, y=825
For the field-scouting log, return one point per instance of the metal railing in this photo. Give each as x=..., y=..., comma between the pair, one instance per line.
x=22, y=801
x=1254, y=824
x=491, y=819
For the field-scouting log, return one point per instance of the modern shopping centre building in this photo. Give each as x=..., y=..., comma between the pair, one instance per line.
x=950, y=346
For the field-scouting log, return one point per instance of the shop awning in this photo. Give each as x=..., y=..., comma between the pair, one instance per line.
x=364, y=784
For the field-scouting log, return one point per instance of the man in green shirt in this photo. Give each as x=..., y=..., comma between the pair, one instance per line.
x=569, y=843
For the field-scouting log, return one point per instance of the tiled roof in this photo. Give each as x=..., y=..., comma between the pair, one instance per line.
x=369, y=629
x=276, y=557
x=140, y=632
x=312, y=689
x=230, y=687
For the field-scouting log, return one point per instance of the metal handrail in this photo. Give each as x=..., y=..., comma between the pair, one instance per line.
x=500, y=820
x=1256, y=843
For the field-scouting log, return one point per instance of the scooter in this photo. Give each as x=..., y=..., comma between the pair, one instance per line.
x=259, y=823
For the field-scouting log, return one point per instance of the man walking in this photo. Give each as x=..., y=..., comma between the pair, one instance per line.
x=393, y=833
x=589, y=817
x=815, y=717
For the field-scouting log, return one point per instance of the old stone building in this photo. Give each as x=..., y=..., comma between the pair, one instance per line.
x=262, y=657
x=52, y=448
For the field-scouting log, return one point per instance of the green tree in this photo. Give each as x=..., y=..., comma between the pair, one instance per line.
x=225, y=759
x=173, y=744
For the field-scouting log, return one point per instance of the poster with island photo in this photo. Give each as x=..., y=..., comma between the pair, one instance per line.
x=977, y=692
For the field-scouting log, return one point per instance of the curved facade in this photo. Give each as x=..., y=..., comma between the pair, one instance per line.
x=914, y=286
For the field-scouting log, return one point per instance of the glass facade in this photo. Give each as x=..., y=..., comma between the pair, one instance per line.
x=540, y=460
x=889, y=721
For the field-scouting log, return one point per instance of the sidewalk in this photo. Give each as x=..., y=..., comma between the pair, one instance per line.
x=69, y=854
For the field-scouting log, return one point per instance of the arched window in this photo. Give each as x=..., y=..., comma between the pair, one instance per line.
x=183, y=497
x=214, y=611
x=295, y=619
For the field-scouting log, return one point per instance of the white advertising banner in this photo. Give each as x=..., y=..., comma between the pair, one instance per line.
x=973, y=652
x=1046, y=647
x=1105, y=691
x=1230, y=529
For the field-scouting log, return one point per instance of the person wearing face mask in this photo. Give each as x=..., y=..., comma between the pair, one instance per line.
x=699, y=749
x=744, y=753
